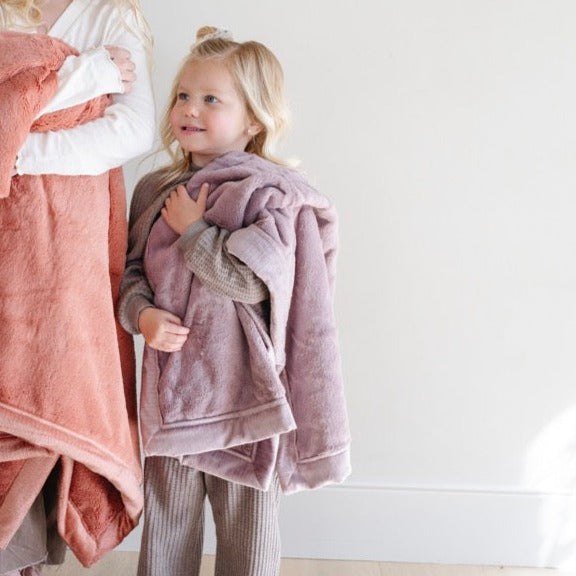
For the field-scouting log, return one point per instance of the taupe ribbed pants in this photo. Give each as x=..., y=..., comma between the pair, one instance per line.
x=37, y=541
x=246, y=520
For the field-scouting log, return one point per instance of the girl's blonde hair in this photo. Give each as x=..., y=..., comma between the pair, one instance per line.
x=260, y=81
x=29, y=12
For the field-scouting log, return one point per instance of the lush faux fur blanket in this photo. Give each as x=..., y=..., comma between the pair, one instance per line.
x=257, y=390
x=67, y=385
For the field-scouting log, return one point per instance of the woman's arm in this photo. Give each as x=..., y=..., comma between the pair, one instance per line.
x=83, y=77
x=125, y=131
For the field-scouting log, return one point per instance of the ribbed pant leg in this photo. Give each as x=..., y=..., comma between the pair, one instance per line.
x=247, y=529
x=56, y=545
x=173, y=532
x=28, y=545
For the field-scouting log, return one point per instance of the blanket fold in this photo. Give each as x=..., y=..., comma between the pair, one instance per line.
x=67, y=376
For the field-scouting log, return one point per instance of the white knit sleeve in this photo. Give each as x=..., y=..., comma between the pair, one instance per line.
x=88, y=75
x=125, y=131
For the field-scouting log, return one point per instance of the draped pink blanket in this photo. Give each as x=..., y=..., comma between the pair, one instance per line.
x=67, y=378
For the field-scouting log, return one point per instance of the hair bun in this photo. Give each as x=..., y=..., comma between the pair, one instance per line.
x=211, y=32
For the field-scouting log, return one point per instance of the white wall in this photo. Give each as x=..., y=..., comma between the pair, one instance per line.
x=445, y=132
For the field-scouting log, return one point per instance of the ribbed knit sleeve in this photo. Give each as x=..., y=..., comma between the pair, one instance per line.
x=206, y=254
x=135, y=291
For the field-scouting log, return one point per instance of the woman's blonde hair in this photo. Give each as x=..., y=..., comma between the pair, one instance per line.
x=29, y=13
x=260, y=81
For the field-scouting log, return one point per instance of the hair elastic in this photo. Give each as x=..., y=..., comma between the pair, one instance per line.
x=220, y=33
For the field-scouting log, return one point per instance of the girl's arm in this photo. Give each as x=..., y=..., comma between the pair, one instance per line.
x=205, y=252
x=125, y=131
x=161, y=329
x=135, y=295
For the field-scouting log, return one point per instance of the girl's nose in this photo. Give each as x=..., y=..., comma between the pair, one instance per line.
x=191, y=109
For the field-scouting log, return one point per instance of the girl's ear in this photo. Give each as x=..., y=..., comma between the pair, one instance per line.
x=254, y=128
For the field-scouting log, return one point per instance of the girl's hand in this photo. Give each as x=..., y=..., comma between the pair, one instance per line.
x=180, y=210
x=123, y=60
x=162, y=330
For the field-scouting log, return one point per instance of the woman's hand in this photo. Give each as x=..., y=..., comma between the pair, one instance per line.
x=180, y=210
x=162, y=330
x=123, y=60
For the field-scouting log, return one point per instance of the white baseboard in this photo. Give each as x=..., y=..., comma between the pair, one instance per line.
x=428, y=525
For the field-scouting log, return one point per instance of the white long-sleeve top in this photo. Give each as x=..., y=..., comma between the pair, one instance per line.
x=127, y=128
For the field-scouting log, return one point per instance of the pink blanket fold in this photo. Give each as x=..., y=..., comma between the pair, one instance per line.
x=67, y=376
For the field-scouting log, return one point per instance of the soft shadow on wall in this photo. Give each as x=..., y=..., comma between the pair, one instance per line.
x=551, y=474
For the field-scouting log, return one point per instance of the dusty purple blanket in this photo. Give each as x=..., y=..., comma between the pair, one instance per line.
x=258, y=389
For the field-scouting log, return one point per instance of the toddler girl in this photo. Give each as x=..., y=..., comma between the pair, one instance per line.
x=229, y=278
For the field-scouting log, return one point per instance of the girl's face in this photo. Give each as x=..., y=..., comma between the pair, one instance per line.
x=209, y=117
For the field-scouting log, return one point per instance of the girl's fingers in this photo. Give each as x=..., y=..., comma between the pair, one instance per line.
x=176, y=329
x=171, y=348
x=175, y=338
x=169, y=343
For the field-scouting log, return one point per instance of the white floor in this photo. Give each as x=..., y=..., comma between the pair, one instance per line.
x=124, y=563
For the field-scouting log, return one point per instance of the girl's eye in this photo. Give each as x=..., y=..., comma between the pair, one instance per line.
x=182, y=96
x=210, y=99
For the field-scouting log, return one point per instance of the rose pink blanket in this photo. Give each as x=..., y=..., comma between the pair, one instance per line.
x=67, y=386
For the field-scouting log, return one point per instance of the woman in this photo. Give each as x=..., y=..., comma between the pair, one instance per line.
x=62, y=231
